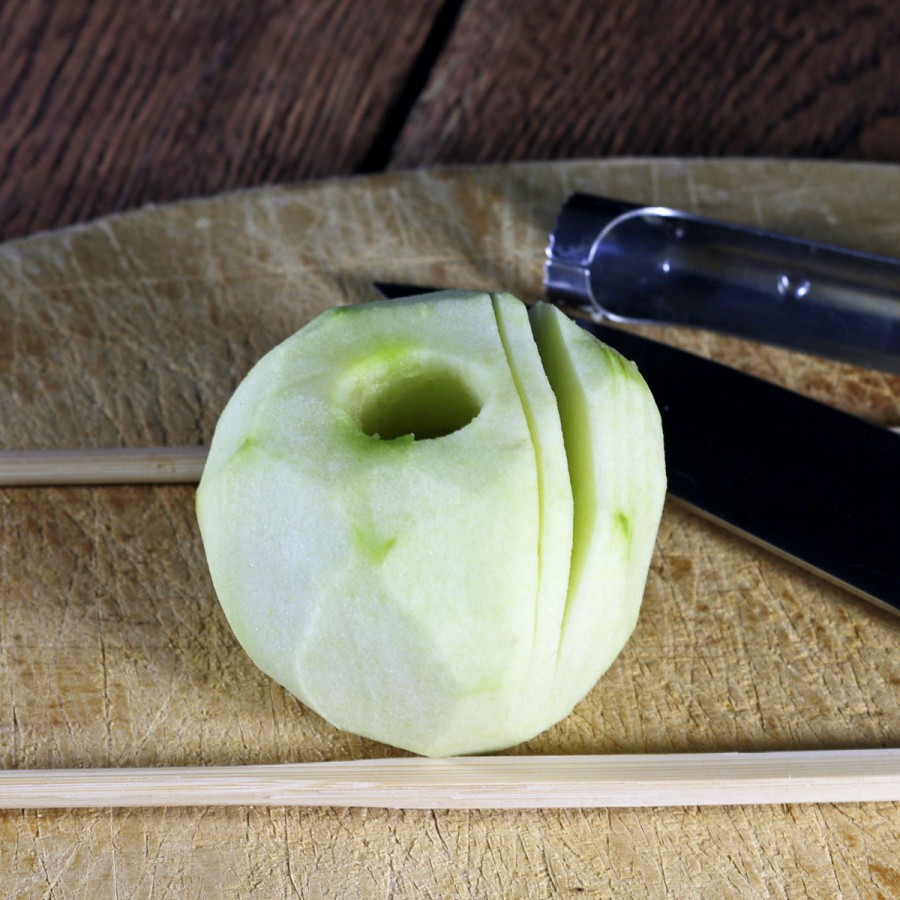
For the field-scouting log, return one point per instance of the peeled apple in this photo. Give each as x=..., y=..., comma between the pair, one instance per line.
x=431, y=519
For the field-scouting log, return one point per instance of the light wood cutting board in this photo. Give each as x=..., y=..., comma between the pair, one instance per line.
x=136, y=329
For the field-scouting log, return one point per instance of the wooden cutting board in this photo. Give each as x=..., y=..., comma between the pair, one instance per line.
x=135, y=330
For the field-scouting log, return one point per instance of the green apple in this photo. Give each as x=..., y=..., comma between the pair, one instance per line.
x=431, y=519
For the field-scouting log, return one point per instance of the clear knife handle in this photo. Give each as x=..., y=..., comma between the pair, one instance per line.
x=634, y=263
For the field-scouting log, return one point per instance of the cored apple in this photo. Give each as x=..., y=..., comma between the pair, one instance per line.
x=431, y=519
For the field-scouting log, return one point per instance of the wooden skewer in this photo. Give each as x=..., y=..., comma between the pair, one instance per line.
x=499, y=782
x=140, y=465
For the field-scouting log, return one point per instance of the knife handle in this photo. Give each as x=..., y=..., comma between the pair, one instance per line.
x=632, y=263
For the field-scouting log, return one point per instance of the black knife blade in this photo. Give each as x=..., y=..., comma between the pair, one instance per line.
x=816, y=485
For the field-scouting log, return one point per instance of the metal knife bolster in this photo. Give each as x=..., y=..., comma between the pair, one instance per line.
x=633, y=263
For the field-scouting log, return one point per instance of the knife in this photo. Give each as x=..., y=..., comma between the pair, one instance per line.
x=816, y=485
x=632, y=263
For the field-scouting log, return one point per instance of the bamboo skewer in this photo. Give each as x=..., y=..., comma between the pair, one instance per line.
x=122, y=465
x=498, y=782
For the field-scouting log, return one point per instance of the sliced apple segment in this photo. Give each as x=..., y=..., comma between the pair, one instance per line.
x=614, y=445
x=555, y=505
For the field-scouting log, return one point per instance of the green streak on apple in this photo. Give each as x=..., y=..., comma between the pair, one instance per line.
x=371, y=545
x=249, y=445
x=624, y=523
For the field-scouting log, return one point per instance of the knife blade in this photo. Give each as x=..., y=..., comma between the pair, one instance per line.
x=632, y=263
x=811, y=483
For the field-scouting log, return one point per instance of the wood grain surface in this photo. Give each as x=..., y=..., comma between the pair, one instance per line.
x=113, y=651
x=106, y=106
x=562, y=79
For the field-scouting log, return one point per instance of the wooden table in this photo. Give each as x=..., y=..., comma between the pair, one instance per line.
x=105, y=107
x=111, y=649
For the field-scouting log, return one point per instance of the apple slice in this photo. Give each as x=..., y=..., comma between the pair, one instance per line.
x=614, y=443
x=554, y=496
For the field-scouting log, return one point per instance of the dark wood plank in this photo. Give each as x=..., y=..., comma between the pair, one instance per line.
x=107, y=105
x=530, y=79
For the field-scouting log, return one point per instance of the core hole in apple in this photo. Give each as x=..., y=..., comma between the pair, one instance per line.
x=425, y=403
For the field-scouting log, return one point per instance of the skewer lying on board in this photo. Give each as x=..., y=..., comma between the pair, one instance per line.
x=495, y=782
x=115, y=465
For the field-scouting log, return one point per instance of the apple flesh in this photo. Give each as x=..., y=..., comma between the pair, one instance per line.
x=431, y=519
